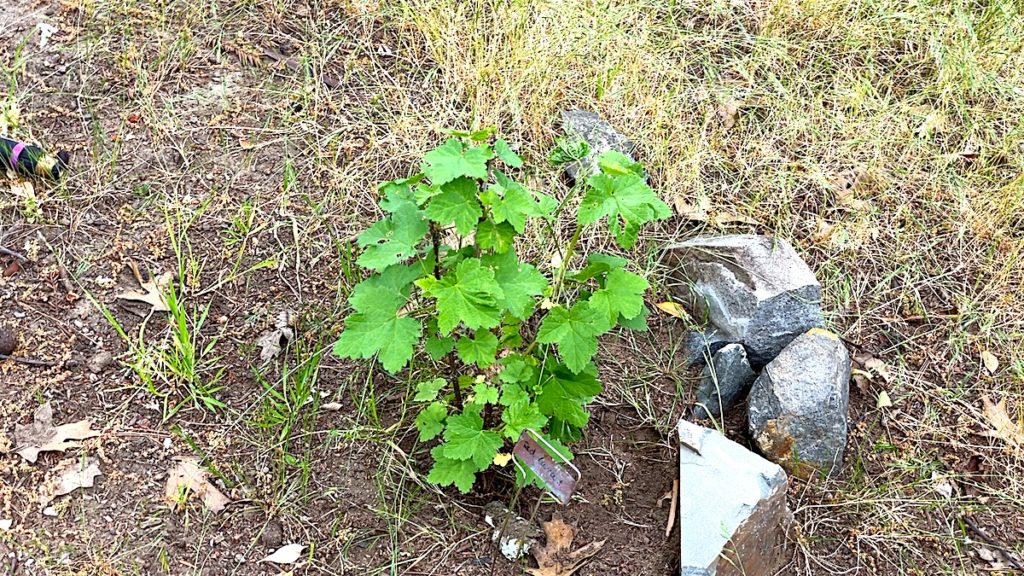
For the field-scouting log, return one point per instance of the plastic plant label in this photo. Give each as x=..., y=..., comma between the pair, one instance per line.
x=560, y=482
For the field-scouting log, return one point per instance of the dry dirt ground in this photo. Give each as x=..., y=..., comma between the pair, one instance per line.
x=236, y=146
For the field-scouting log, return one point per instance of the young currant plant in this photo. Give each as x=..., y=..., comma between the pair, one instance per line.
x=447, y=280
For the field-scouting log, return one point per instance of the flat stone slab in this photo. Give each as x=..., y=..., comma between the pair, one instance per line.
x=723, y=382
x=755, y=290
x=797, y=408
x=599, y=134
x=733, y=517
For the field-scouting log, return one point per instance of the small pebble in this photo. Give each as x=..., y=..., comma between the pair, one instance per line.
x=99, y=361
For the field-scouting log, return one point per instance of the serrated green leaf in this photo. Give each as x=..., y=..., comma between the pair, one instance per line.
x=392, y=239
x=564, y=394
x=623, y=293
x=637, y=323
x=512, y=202
x=616, y=163
x=479, y=350
x=626, y=200
x=568, y=150
x=563, y=431
x=517, y=370
x=388, y=290
x=448, y=471
x=519, y=283
x=506, y=155
x=382, y=333
x=574, y=331
x=437, y=347
x=598, y=264
x=465, y=438
x=468, y=294
x=430, y=421
x=452, y=160
x=525, y=476
x=496, y=237
x=398, y=192
x=513, y=393
x=456, y=203
x=519, y=416
x=427, y=390
x=484, y=393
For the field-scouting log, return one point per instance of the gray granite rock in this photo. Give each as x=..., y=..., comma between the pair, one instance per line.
x=754, y=289
x=598, y=134
x=700, y=346
x=723, y=382
x=733, y=517
x=797, y=408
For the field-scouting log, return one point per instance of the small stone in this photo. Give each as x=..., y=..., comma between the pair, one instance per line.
x=515, y=535
x=797, y=408
x=8, y=343
x=273, y=534
x=754, y=289
x=699, y=346
x=733, y=516
x=99, y=361
x=723, y=382
x=599, y=134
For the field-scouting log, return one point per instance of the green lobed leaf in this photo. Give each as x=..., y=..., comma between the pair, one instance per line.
x=388, y=290
x=376, y=331
x=564, y=394
x=448, y=471
x=456, y=203
x=512, y=394
x=465, y=438
x=638, y=322
x=479, y=350
x=392, y=239
x=437, y=347
x=623, y=293
x=574, y=331
x=615, y=162
x=484, y=393
x=568, y=150
x=517, y=370
x=519, y=283
x=452, y=160
x=563, y=431
x=506, y=154
x=468, y=294
x=398, y=192
x=427, y=390
x=430, y=421
x=519, y=416
x=626, y=200
x=512, y=202
x=496, y=237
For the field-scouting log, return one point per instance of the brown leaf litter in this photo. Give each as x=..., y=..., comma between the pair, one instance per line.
x=554, y=558
x=42, y=436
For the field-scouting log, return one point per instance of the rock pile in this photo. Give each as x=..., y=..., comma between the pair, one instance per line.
x=761, y=306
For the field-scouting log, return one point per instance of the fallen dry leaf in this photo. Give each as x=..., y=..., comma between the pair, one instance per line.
x=286, y=554
x=1003, y=426
x=189, y=478
x=151, y=293
x=71, y=475
x=878, y=367
x=554, y=558
x=271, y=343
x=990, y=361
x=883, y=400
x=42, y=436
x=845, y=183
x=720, y=219
x=673, y=309
x=727, y=112
x=698, y=210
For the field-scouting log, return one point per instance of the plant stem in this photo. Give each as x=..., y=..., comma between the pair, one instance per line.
x=455, y=382
x=435, y=238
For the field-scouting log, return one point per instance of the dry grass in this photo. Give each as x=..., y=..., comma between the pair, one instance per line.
x=758, y=108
